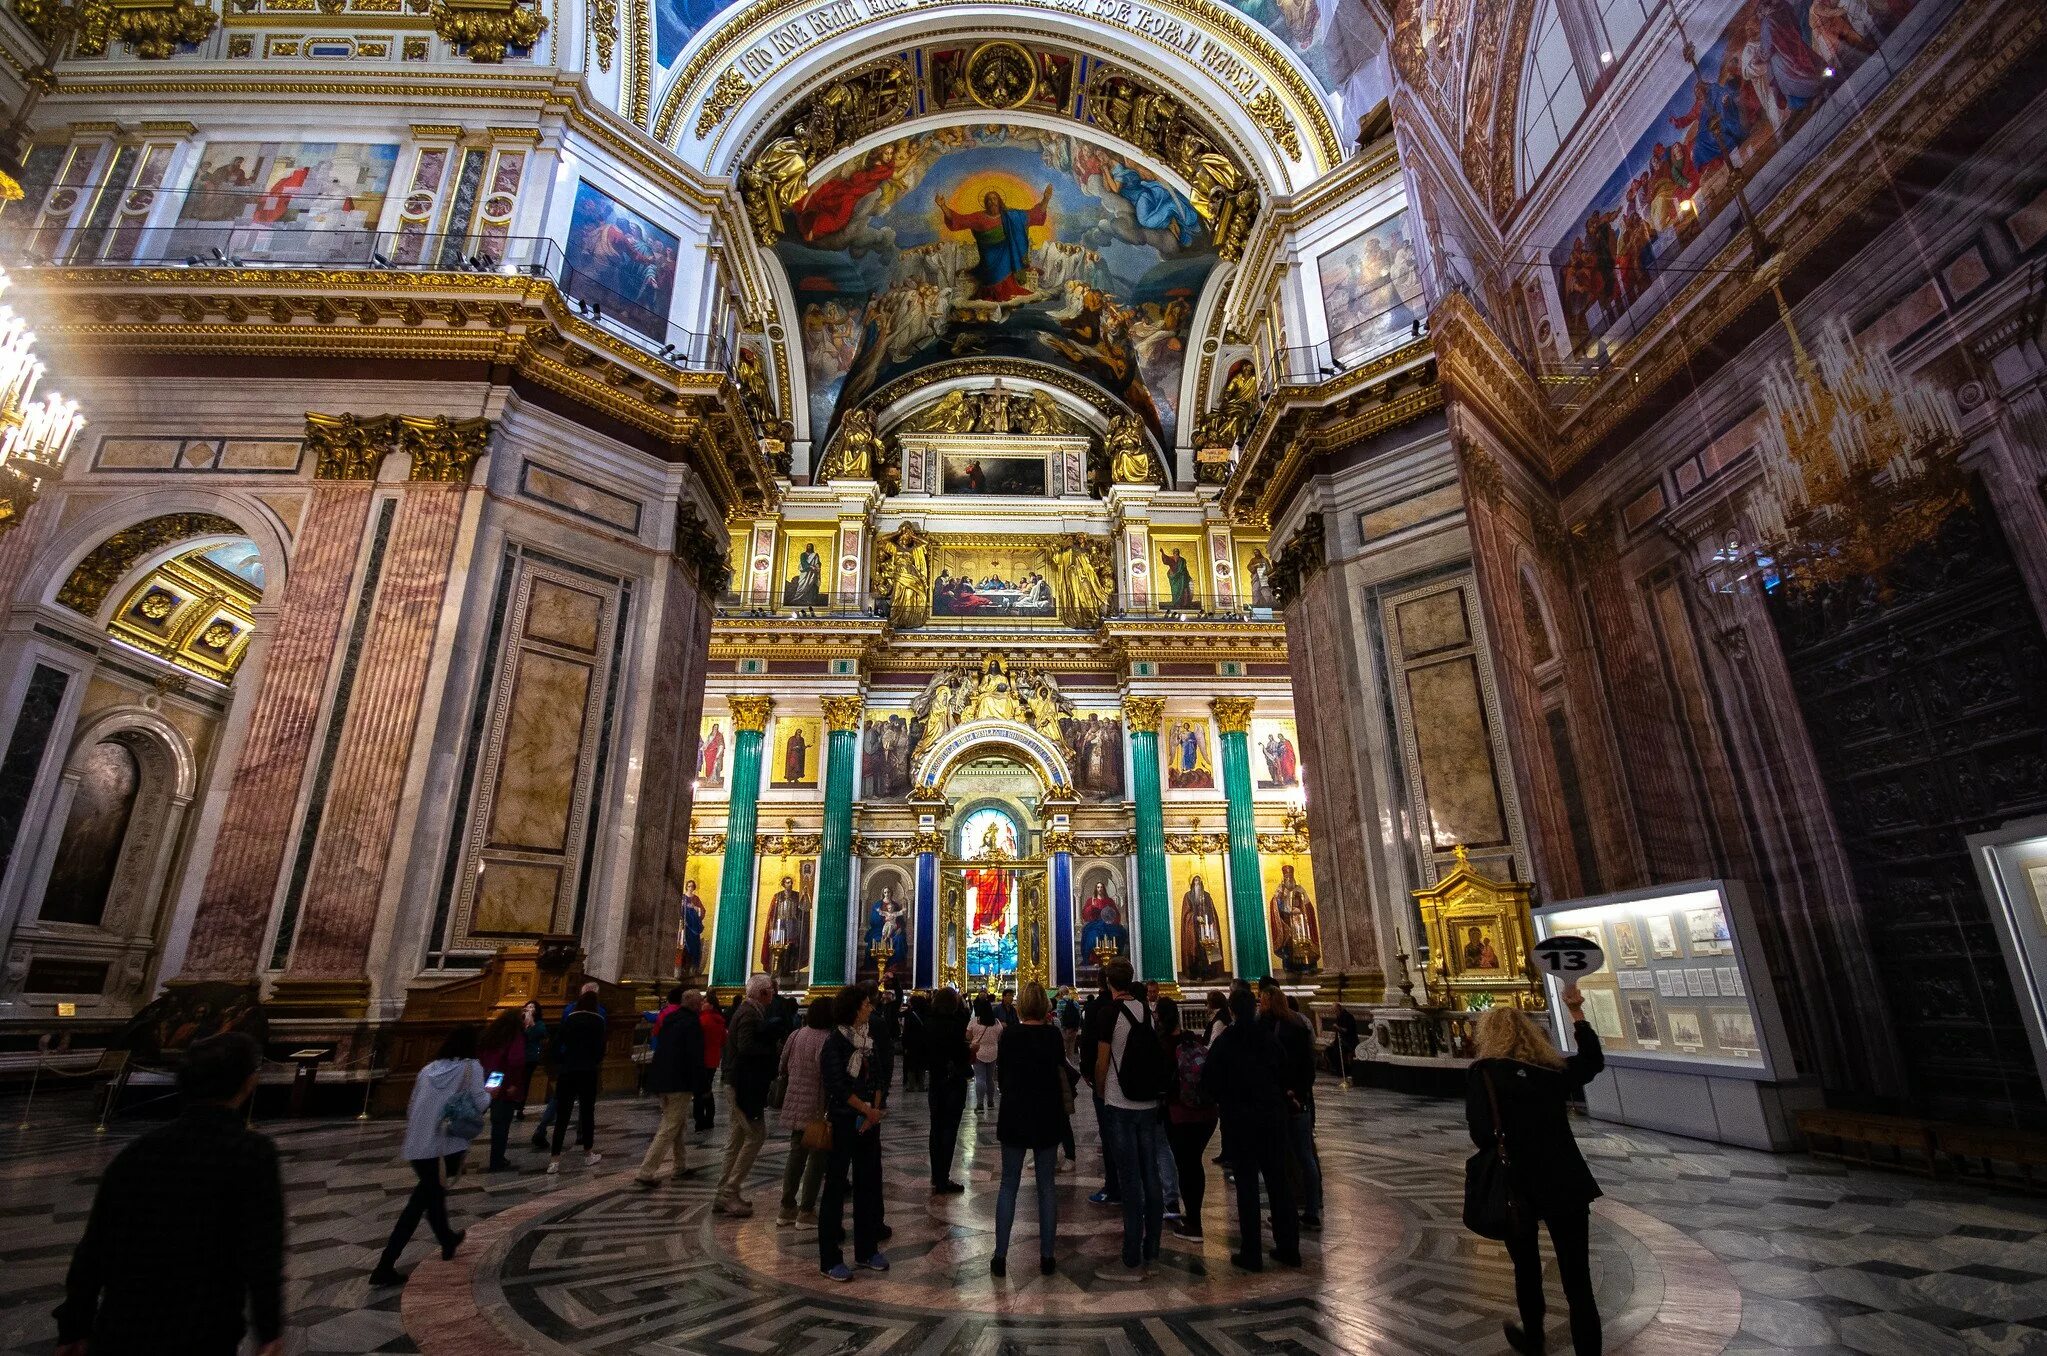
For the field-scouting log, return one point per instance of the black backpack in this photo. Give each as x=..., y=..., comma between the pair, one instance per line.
x=1144, y=1072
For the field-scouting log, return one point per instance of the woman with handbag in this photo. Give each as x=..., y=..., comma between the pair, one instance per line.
x=446, y=1113
x=802, y=1102
x=984, y=1038
x=846, y=1072
x=1036, y=1102
x=1528, y=1168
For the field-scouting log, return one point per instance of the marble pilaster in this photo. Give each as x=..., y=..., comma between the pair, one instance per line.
x=732, y=948
x=835, y=861
x=1247, y=891
x=1154, y=907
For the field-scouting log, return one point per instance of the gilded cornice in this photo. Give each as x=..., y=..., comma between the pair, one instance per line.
x=1233, y=714
x=1478, y=369
x=747, y=25
x=1301, y=423
x=464, y=319
x=1161, y=640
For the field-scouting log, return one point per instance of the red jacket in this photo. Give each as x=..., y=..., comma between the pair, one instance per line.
x=713, y=1022
x=508, y=1059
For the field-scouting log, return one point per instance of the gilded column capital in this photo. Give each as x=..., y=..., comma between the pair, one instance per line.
x=843, y=713
x=1143, y=714
x=1233, y=714
x=443, y=450
x=927, y=840
x=349, y=446
x=1059, y=840
x=750, y=713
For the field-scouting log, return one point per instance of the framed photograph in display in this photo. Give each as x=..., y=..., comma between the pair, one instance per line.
x=1706, y=931
x=1642, y=1021
x=2011, y=867
x=1663, y=937
x=1602, y=1010
x=1685, y=1031
x=1734, y=1031
x=1627, y=944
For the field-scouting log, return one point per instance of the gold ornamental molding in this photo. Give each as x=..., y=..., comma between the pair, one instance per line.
x=843, y=712
x=1143, y=714
x=460, y=319
x=706, y=844
x=1236, y=52
x=1301, y=423
x=153, y=29
x=1104, y=844
x=874, y=848
x=487, y=30
x=1233, y=714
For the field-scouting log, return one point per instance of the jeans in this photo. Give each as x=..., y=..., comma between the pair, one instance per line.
x=577, y=1087
x=859, y=1155
x=670, y=1137
x=1132, y=1139
x=1304, y=1165
x=1258, y=1149
x=1047, y=1166
x=1189, y=1142
x=502, y=1109
x=805, y=1170
x=948, y=1104
x=1169, y=1176
x=1110, y=1186
x=1570, y=1234
x=430, y=1198
x=742, y=1145
x=984, y=1085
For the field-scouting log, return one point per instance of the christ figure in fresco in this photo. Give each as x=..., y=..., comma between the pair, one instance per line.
x=1002, y=237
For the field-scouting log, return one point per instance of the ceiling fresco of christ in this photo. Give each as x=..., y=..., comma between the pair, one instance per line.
x=997, y=242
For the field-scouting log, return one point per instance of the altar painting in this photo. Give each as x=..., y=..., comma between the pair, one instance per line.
x=806, y=577
x=885, y=754
x=714, y=753
x=1293, y=923
x=1103, y=915
x=1202, y=941
x=782, y=916
x=1094, y=750
x=1774, y=63
x=988, y=838
x=887, y=917
x=1275, y=755
x=699, y=909
x=991, y=583
x=798, y=751
x=996, y=242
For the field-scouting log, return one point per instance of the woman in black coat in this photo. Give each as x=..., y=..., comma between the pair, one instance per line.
x=1243, y=1076
x=1518, y=1070
x=847, y=1076
x=1031, y=1059
x=951, y=1069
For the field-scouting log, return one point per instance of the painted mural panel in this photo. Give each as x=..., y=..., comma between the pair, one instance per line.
x=677, y=21
x=1190, y=758
x=992, y=582
x=798, y=751
x=1275, y=755
x=887, y=899
x=621, y=261
x=1293, y=923
x=788, y=893
x=885, y=754
x=309, y=200
x=714, y=752
x=1094, y=748
x=700, y=878
x=1773, y=64
x=1200, y=914
x=1337, y=40
x=806, y=558
x=989, y=242
x=1371, y=290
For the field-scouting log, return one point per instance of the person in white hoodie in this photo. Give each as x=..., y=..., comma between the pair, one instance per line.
x=449, y=1102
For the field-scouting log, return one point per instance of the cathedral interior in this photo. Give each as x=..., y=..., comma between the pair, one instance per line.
x=960, y=492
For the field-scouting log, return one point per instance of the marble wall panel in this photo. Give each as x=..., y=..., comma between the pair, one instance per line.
x=1454, y=745
x=1431, y=623
x=515, y=899
x=536, y=781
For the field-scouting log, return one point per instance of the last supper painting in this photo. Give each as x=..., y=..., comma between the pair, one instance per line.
x=996, y=242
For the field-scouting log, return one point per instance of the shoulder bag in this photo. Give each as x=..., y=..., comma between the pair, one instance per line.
x=817, y=1136
x=1491, y=1209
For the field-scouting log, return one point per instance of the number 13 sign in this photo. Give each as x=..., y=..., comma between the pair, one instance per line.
x=1568, y=958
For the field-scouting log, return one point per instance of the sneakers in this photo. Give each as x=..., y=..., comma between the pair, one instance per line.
x=737, y=1209
x=840, y=1273
x=784, y=1218
x=1173, y=1211
x=806, y=1219
x=385, y=1276
x=878, y=1262
x=592, y=1159
x=1104, y=1198
x=554, y=1167
x=1185, y=1230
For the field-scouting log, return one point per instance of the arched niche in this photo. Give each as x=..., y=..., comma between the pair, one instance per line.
x=95, y=893
x=993, y=739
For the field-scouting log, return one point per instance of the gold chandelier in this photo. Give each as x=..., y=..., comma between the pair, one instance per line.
x=1859, y=461
x=35, y=435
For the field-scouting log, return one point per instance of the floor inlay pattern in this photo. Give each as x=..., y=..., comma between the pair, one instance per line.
x=1698, y=1249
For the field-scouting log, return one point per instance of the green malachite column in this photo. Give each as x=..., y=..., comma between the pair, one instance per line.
x=1154, y=916
x=1247, y=892
x=835, y=857
x=729, y=964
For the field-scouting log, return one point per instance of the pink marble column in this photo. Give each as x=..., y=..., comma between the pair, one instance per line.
x=359, y=818
x=668, y=780
x=255, y=830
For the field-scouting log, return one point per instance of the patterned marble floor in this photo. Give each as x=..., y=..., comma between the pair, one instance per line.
x=1698, y=1249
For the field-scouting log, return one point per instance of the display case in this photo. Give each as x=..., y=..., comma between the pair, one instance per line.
x=2012, y=863
x=1685, y=1012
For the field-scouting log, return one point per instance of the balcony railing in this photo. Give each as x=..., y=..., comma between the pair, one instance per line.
x=1200, y=607
x=259, y=247
x=1403, y=322
x=736, y=605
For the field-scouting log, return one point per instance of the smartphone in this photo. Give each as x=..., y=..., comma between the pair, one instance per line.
x=860, y=1126
x=494, y=1082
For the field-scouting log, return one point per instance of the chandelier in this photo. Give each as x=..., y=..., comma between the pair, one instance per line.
x=1859, y=461
x=35, y=435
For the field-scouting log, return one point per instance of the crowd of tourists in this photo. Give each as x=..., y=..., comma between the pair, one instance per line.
x=1163, y=1077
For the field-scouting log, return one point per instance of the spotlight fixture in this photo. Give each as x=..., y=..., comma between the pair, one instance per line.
x=1606, y=58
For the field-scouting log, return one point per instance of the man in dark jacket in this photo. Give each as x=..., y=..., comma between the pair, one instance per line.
x=674, y=1074
x=1304, y=1165
x=186, y=1230
x=747, y=1068
x=578, y=1061
x=1243, y=1076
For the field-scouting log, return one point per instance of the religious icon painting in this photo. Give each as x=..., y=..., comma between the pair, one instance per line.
x=1275, y=755
x=699, y=908
x=1254, y=571
x=985, y=473
x=714, y=753
x=886, y=923
x=807, y=564
x=1189, y=764
x=1662, y=937
x=1094, y=747
x=1201, y=915
x=620, y=261
x=1627, y=945
x=993, y=582
x=1176, y=564
x=284, y=200
x=1101, y=922
x=1292, y=921
x=782, y=918
x=1371, y=290
x=885, y=754
x=798, y=751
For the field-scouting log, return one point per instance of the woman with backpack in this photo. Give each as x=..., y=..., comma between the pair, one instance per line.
x=1190, y=1116
x=502, y=1052
x=445, y=1115
x=1514, y=1106
x=1033, y=1120
x=985, y=1037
